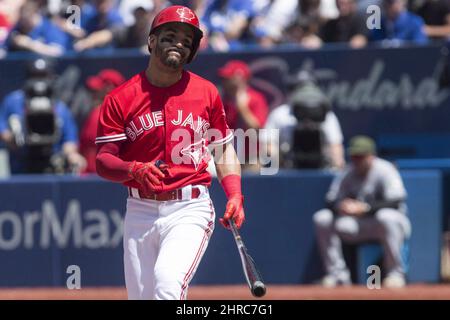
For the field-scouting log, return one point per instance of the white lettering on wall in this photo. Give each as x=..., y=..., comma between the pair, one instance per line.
x=92, y=229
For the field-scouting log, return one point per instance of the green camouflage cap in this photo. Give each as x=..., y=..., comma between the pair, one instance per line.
x=361, y=145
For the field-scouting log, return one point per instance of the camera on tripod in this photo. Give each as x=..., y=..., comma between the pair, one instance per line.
x=41, y=131
x=310, y=107
x=40, y=120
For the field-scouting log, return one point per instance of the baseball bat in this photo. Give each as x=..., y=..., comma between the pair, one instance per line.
x=252, y=275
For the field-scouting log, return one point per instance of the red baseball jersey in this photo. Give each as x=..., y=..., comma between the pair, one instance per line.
x=87, y=140
x=174, y=124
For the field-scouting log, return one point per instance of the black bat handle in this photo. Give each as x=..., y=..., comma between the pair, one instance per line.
x=257, y=286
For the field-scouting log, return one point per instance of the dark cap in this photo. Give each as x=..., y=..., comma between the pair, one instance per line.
x=361, y=145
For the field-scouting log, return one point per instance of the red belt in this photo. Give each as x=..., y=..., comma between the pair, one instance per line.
x=176, y=194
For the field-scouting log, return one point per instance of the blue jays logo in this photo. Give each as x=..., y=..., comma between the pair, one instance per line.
x=185, y=14
x=197, y=152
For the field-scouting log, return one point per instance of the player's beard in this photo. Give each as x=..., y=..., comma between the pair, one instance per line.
x=170, y=60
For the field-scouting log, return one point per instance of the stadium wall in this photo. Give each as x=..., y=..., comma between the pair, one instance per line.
x=48, y=223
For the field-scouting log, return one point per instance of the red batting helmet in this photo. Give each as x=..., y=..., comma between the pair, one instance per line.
x=180, y=14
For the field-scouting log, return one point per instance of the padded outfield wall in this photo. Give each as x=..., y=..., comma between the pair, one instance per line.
x=48, y=223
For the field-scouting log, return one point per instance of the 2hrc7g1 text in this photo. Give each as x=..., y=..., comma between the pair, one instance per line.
x=232, y=309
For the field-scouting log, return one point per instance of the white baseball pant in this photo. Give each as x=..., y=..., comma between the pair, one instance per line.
x=164, y=242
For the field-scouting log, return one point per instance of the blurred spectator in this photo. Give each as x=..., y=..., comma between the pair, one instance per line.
x=305, y=30
x=127, y=9
x=99, y=26
x=101, y=85
x=51, y=7
x=436, y=14
x=136, y=35
x=63, y=21
x=4, y=31
x=197, y=5
x=38, y=130
x=328, y=9
x=245, y=108
x=105, y=16
x=362, y=5
x=48, y=7
x=272, y=19
x=97, y=86
x=11, y=10
x=35, y=33
x=227, y=23
x=310, y=134
x=5, y=26
x=399, y=25
x=365, y=203
x=348, y=27
x=88, y=10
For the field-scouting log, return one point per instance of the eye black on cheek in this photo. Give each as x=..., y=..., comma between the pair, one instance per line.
x=166, y=39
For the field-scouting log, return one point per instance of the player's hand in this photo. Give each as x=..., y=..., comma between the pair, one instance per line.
x=234, y=210
x=77, y=162
x=352, y=207
x=147, y=174
x=242, y=99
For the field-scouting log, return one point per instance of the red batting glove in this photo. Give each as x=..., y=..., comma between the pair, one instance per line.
x=234, y=210
x=147, y=174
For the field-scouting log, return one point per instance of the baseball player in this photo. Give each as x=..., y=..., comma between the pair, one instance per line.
x=365, y=203
x=153, y=136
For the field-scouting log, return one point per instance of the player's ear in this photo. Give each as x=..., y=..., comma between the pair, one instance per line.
x=151, y=42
